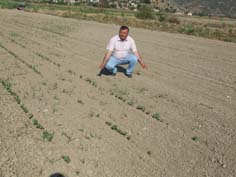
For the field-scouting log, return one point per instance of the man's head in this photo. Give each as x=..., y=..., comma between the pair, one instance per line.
x=124, y=32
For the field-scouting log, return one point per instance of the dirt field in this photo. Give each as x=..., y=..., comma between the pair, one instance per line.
x=103, y=126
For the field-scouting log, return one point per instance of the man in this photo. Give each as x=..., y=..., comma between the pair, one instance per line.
x=119, y=53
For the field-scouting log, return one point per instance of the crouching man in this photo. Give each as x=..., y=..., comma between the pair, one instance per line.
x=122, y=50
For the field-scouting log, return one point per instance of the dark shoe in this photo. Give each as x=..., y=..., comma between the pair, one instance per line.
x=129, y=75
x=113, y=74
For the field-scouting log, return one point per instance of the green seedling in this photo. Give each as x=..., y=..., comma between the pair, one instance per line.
x=131, y=103
x=194, y=138
x=88, y=80
x=118, y=130
x=120, y=97
x=66, y=158
x=48, y=136
x=24, y=108
x=31, y=116
x=139, y=107
x=37, y=124
x=114, y=127
x=156, y=116
x=7, y=85
x=124, y=133
x=94, y=84
x=17, y=98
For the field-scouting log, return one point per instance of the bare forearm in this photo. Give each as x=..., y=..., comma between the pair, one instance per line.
x=106, y=58
x=140, y=60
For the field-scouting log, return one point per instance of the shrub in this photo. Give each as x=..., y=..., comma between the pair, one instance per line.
x=189, y=29
x=162, y=17
x=145, y=12
x=173, y=19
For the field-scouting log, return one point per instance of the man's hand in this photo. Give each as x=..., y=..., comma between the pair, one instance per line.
x=144, y=66
x=101, y=66
x=105, y=59
x=140, y=60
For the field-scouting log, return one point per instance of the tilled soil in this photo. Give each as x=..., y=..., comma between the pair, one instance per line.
x=176, y=119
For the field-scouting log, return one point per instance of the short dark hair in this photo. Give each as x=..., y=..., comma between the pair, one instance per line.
x=124, y=28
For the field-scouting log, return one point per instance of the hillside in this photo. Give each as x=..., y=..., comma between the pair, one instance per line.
x=212, y=7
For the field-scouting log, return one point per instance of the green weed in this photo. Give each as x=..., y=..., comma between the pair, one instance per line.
x=66, y=158
x=117, y=129
x=47, y=136
x=37, y=124
x=140, y=107
x=24, y=108
x=157, y=117
x=194, y=138
x=31, y=116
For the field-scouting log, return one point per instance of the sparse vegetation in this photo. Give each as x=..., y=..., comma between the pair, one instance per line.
x=140, y=107
x=91, y=81
x=66, y=158
x=37, y=124
x=131, y=103
x=117, y=129
x=7, y=85
x=157, y=117
x=47, y=136
x=194, y=138
x=21, y=60
x=119, y=94
x=47, y=59
x=31, y=116
x=145, y=12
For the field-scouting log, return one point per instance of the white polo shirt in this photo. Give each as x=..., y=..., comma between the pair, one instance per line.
x=120, y=49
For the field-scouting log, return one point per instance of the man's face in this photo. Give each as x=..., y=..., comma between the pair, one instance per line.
x=123, y=34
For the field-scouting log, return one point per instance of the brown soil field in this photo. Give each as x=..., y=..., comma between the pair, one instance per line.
x=103, y=126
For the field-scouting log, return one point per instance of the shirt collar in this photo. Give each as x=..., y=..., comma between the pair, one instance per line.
x=121, y=40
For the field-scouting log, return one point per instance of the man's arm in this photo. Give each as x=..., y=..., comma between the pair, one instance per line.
x=140, y=60
x=105, y=59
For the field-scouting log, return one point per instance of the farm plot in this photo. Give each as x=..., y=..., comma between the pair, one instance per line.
x=57, y=115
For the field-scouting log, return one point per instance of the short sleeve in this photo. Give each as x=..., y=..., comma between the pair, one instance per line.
x=111, y=45
x=133, y=46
